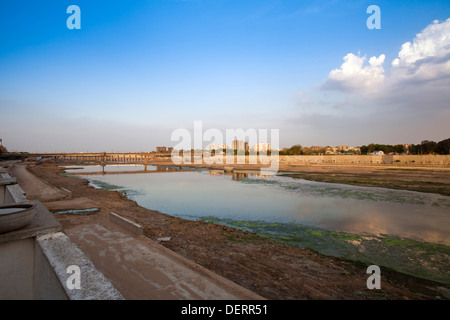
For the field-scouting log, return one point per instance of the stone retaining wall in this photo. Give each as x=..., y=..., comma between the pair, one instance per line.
x=407, y=160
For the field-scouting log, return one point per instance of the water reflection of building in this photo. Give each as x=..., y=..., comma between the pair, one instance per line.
x=216, y=172
x=239, y=175
x=168, y=169
x=234, y=175
x=261, y=175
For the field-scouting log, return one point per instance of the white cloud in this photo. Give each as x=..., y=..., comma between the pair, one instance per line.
x=433, y=41
x=355, y=75
x=408, y=101
x=419, y=77
x=425, y=59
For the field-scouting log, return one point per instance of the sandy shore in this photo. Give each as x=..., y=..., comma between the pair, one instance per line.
x=271, y=269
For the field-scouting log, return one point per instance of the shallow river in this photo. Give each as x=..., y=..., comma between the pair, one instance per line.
x=400, y=229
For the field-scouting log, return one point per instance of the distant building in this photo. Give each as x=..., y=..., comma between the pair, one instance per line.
x=161, y=149
x=406, y=146
x=239, y=144
x=343, y=148
x=261, y=147
x=169, y=149
x=378, y=153
x=1, y=142
x=213, y=146
x=330, y=150
x=348, y=149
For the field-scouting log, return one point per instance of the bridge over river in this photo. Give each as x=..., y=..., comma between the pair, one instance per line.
x=108, y=158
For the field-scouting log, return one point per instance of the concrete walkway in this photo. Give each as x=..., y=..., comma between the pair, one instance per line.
x=140, y=268
x=137, y=266
x=35, y=188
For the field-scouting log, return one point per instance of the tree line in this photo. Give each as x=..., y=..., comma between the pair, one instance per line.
x=425, y=147
x=298, y=150
x=431, y=147
x=386, y=148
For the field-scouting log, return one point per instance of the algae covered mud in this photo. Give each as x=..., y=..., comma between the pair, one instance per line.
x=404, y=230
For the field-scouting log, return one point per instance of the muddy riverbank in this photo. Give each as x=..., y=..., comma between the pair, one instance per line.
x=269, y=268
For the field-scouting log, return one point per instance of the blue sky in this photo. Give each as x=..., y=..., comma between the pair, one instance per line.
x=138, y=70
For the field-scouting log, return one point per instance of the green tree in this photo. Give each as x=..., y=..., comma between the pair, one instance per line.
x=427, y=147
x=364, y=149
x=296, y=150
x=413, y=149
x=399, y=148
x=443, y=147
x=3, y=149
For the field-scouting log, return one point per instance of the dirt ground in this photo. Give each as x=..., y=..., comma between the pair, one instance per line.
x=271, y=269
x=413, y=179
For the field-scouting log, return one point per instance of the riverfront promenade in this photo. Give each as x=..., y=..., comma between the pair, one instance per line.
x=35, y=188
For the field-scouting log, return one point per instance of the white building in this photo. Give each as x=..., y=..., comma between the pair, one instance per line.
x=213, y=146
x=261, y=147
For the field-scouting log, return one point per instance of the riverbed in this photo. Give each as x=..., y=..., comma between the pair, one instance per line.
x=407, y=231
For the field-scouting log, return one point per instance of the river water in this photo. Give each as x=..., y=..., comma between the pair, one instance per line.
x=399, y=229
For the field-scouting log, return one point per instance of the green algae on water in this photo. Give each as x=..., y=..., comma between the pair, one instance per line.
x=422, y=259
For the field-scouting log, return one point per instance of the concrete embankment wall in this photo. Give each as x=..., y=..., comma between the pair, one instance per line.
x=394, y=160
x=401, y=160
x=35, y=258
